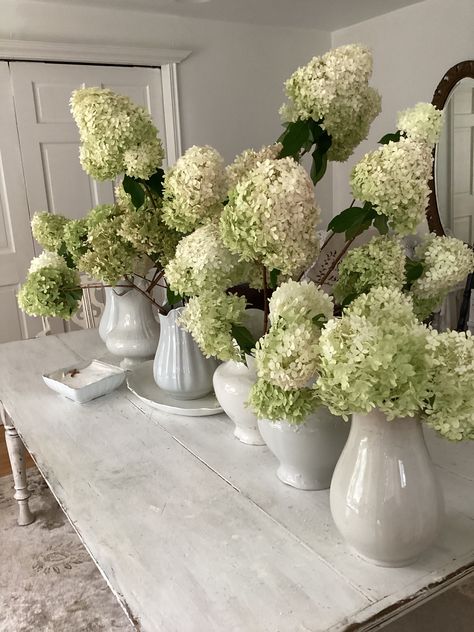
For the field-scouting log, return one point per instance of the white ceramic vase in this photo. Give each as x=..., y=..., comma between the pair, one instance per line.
x=385, y=497
x=232, y=383
x=180, y=369
x=135, y=334
x=109, y=317
x=307, y=452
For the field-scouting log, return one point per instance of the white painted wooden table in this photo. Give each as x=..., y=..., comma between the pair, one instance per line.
x=192, y=529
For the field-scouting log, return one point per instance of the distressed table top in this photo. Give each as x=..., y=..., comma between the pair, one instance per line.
x=192, y=529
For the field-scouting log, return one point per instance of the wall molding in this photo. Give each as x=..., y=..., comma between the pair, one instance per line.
x=24, y=50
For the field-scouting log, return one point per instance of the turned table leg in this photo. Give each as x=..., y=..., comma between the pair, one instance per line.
x=16, y=452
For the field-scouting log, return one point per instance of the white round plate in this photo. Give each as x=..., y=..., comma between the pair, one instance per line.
x=140, y=381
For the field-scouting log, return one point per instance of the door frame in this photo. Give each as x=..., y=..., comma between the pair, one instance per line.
x=109, y=55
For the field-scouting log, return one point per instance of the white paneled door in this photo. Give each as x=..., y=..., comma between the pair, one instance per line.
x=40, y=169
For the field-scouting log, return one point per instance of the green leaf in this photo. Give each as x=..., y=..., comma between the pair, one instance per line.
x=381, y=224
x=365, y=223
x=345, y=219
x=390, y=137
x=64, y=252
x=243, y=337
x=294, y=138
x=319, y=165
x=413, y=271
x=348, y=300
x=319, y=320
x=172, y=297
x=155, y=182
x=135, y=190
x=274, y=277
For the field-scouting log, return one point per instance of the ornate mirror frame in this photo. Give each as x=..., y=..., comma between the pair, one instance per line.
x=440, y=97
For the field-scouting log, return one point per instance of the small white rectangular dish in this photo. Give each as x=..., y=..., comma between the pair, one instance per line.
x=85, y=381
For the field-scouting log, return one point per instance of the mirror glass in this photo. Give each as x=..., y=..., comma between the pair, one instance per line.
x=454, y=167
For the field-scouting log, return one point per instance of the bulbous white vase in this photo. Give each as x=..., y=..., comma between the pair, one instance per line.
x=385, y=497
x=136, y=332
x=232, y=383
x=307, y=452
x=180, y=368
x=109, y=317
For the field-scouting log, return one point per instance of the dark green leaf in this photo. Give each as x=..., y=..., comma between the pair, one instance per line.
x=294, y=138
x=172, y=297
x=381, y=224
x=348, y=300
x=346, y=218
x=413, y=271
x=319, y=320
x=243, y=337
x=64, y=252
x=135, y=190
x=390, y=137
x=364, y=224
x=319, y=165
x=274, y=277
x=155, y=182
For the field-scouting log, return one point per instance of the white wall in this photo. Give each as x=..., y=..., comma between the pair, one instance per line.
x=230, y=87
x=413, y=47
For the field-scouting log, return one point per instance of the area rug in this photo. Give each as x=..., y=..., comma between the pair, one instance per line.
x=48, y=582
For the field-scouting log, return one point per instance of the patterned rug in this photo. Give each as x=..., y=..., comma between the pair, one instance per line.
x=48, y=582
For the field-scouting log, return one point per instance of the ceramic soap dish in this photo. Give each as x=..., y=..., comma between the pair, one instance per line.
x=85, y=381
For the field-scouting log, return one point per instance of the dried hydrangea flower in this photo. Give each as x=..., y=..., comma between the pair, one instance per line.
x=271, y=217
x=334, y=88
x=48, y=230
x=379, y=262
x=209, y=319
x=375, y=356
x=272, y=402
x=194, y=189
x=117, y=136
x=394, y=178
x=422, y=123
x=450, y=410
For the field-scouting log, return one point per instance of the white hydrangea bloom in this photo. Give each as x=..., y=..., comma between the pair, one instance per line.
x=394, y=178
x=422, y=123
x=295, y=301
x=272, y=217
x=447, y=261
x=248, y=160
x=202, y=263
x=47, y=260
x=288, y=355
x=334, y=88
x=117, y=136
x=194, y=189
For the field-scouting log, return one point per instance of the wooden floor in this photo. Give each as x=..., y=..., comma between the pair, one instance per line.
x=4, y=460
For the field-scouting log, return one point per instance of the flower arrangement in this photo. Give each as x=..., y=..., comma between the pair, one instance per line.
x=207, y=228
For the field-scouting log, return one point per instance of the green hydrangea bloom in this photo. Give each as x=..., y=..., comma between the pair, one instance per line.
x=380, y=262
x=209, y=319
x=48, y=230
x=117, y=136
x=51, y=291
x=75, y=238
x=422, y=123
x=450, y=409
x=272, y=402
x=375, y=356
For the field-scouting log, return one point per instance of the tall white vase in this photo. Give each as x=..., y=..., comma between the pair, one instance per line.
x=232, y=384
x=110, y=315
x=307, y=452
x=135, y=334
x=180, y=369
x=385, y=497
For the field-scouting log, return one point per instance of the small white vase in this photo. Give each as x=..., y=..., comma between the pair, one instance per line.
x=136, y=332
x=180, y=368
x=385, y=497
x=109, y=317
x=232, y=383
x=307, y=452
